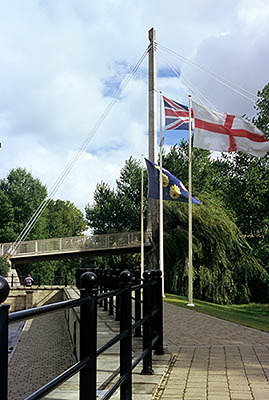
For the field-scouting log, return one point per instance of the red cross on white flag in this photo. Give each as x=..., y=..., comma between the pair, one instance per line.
x=225, y=132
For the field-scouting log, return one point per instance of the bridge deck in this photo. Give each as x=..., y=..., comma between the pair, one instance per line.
x=78, y=246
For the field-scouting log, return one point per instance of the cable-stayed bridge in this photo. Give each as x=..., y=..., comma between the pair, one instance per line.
x=77, y=247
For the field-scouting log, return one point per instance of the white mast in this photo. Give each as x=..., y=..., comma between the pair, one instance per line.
x=152, y=220
x=142, y=218
x=190, y=290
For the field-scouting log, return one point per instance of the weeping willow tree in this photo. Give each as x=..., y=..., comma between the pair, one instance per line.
x=225, y=271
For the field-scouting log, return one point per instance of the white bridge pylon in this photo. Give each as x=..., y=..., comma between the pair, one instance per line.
x=77, y=246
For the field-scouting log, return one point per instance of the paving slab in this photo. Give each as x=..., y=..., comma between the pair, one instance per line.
x=213, y=358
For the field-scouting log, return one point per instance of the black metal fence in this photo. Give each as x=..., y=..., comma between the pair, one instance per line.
x=118, y=286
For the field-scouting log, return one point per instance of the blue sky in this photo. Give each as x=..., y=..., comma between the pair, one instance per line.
x=62, y=61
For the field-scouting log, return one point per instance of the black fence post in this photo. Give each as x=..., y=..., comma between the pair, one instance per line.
x=117, y=285
x=137, y=332
x=147, y=327
x=111, y=287
x=105, y=288
x=126, y=342
x=88, y=336
x=12, y=280
x=4, y=291
x=101, y=285
x=158, y=319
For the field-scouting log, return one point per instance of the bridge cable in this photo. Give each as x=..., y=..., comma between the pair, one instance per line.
x=231, y=85
x=186, y=82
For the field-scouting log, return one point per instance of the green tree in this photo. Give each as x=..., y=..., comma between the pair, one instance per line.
x=104, y=216
x=176, y=161
x=262, y=106
x=7, y=223
x=64, y=219
x=25, y=193
x=116, y=210
x=225, y=269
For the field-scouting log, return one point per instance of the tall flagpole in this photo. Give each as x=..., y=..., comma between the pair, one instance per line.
x=161, y=199
x=190, y=291
x=142, y=217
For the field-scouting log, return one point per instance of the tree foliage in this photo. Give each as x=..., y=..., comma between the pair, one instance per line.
x=64, y=219
x=262, y=107
x=24, y=193
x=225, y=269
x=116, y=210
x=20, y=196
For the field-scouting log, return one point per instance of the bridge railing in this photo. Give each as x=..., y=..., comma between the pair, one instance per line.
x=76, y=243
x=87, y=365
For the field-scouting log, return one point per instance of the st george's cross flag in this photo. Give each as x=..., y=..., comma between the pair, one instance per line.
x=176, y=115
x=225, y=132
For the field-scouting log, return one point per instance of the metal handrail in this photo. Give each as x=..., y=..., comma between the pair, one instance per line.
x=88, y=303
x=76, y=243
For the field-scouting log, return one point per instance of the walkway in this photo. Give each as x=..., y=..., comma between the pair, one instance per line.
x=213, y=359
x=206, y=359
x=76, y=247
x=44, y=351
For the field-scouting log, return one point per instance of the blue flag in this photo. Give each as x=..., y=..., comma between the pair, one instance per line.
x=173, y=189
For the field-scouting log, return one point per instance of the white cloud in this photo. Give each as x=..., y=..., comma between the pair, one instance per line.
x=61, y=62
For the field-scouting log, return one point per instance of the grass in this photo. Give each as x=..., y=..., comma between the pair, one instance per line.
x=252, y=315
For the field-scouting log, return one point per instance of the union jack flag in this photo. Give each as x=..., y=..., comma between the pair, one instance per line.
x=176, y=115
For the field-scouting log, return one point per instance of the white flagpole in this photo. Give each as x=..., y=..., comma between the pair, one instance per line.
x=190, y=291
x=161, y=200
x=142, y=218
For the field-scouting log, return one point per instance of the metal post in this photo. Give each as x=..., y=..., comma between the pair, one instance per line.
x=105, y=288
x=152, y=214
x=101, y=286
x=158, y=299
x=88, y=336
x=4, y=291
x=137, y=332
x=117, y=313
x=152, y=98
x=111, y=286
x=190, y=280
x=126, y=342
x=147, y=327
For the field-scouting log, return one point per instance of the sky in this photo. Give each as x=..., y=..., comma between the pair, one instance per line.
x=63, y=61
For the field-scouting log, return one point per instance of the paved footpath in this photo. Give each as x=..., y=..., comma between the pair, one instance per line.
x=213, y=359
x=205, y=359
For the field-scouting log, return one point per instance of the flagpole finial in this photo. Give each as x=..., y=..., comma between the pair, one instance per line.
x=152, y=34
x=189, y=95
